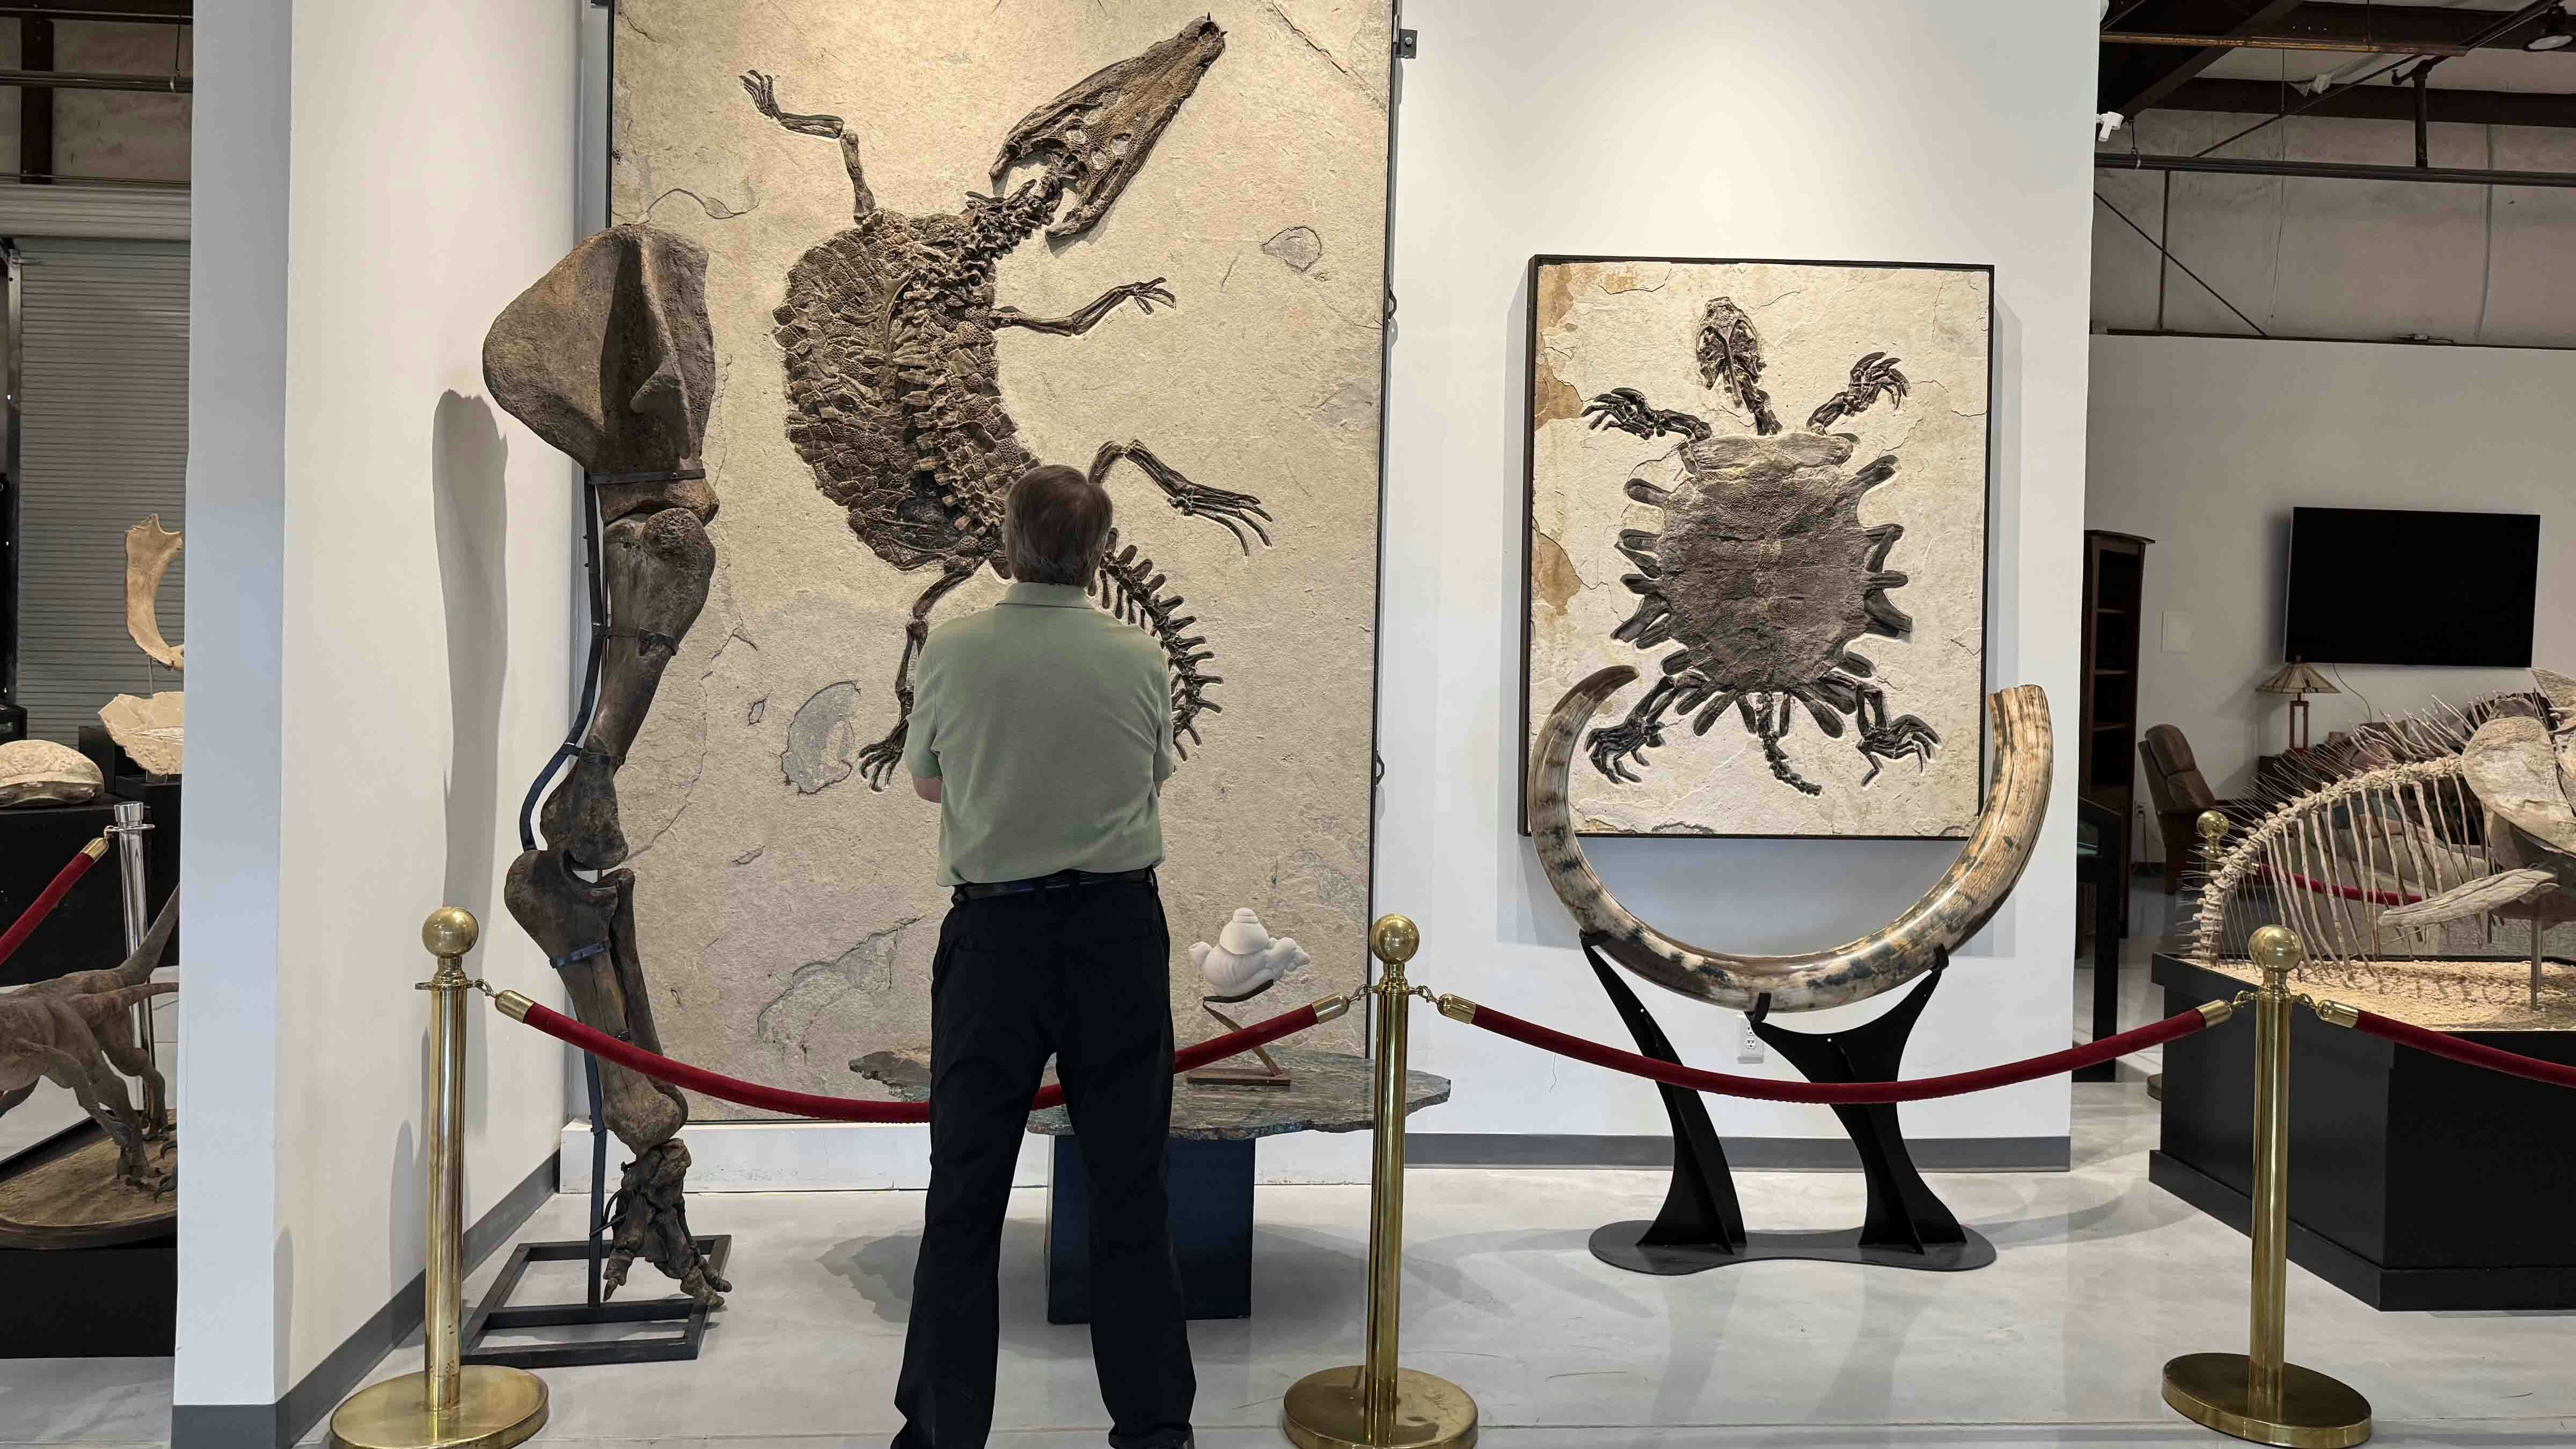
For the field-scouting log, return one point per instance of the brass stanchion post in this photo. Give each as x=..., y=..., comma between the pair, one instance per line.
x=449, y=1404
x=2259, y=1395
x=1378, y=1403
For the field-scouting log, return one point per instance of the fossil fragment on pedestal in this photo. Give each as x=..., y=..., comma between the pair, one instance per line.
x=148, y=550
x=41, y=772
x=153, y=730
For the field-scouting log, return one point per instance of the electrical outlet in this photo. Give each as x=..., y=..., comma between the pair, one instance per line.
x=1748, y=1050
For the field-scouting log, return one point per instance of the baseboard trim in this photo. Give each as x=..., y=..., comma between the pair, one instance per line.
x=1754, y=1154
x=280, y=1425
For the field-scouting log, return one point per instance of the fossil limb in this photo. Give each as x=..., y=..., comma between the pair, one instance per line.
x=148, y=550
x=1762, y=574
x=893, y=381
x=610, y=358
x=1956, y=907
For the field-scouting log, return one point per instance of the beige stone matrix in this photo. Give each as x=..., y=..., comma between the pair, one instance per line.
x=1739, y=438
x=787, y=911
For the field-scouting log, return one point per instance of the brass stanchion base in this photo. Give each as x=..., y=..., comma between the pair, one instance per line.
x=2317, y=1412
x=498, y=1407
x=1322, y=1411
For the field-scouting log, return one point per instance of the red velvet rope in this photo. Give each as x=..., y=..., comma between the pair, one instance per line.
x=846, y=1109
x=50, y=897
x=2440, y=1044
x=2180, y=1024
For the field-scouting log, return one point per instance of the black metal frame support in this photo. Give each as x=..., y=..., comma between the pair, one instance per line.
x=495, y=1312
x=1905, y=1224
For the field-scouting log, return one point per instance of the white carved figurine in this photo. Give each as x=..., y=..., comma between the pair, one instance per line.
x=1245, y=960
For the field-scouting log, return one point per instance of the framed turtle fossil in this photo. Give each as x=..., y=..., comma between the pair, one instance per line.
x=1764, y=485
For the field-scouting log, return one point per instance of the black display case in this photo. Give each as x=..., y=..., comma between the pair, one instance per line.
x=2415, y=1182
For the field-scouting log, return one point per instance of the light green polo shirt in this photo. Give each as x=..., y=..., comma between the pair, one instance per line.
x=1049, y=724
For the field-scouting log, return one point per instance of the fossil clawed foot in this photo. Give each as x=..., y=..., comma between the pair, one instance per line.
x=879, y=761
x=1905, y=735
x=1146, y=294
x=1626, y=409
x=1613, y=746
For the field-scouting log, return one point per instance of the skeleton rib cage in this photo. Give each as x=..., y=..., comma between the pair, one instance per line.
x=2330, y=863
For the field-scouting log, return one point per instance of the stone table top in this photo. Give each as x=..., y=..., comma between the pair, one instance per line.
x=1331, y=1094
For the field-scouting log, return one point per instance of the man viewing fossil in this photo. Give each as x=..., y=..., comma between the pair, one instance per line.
x=1042, y=728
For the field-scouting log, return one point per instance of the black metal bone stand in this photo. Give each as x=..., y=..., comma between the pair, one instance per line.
x=495, y=1311
x=1702, y=1226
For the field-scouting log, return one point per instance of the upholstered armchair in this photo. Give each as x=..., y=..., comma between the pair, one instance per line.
x=2175, y=783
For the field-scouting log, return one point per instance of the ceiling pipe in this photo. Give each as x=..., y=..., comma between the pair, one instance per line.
x=2330, y=170
x=2281, y=42
x=74, y=80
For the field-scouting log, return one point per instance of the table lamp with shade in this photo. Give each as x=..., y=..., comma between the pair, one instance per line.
x=2297, y=680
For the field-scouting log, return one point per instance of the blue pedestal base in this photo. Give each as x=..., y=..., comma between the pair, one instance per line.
x=1211, y=1194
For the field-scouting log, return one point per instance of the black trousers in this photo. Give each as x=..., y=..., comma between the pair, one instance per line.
x=1083, y=973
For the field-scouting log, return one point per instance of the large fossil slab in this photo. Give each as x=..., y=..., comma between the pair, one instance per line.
x=1763, y=485
x=1176, y=272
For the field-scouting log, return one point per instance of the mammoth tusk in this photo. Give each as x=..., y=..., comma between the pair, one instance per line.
x=1964, y=899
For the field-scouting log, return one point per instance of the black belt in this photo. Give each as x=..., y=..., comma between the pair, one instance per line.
x=1061, y=880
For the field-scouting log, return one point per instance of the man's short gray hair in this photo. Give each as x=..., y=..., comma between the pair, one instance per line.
x=1054, y=526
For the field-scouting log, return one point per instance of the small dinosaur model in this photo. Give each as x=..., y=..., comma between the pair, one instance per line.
x=116, y=1034
x=58, y=1037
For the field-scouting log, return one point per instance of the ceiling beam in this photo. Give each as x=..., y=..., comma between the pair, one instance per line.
x=134, y=12
x=2329, y=170
x=2133, y=78
x=2399, y=25
x=2377, y=103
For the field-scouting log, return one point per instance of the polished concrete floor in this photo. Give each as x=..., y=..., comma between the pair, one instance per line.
x=2102, y=1277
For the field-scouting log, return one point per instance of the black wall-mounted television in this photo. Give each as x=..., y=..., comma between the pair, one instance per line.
x=2409, y=586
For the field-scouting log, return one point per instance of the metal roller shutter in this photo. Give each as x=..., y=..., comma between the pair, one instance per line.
x=104, y=409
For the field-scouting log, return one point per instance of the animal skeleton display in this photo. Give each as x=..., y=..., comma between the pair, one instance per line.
x=1763, y=572
x=2474, y=823
x=609, y=357
x=893, y=381
x=1955, y=908
x=77, y=1031
x=894, y=403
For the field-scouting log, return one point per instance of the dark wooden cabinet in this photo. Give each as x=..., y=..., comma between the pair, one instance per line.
x=2106, y=749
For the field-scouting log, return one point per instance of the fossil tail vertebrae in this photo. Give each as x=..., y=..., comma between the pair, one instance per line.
x=1960, y=903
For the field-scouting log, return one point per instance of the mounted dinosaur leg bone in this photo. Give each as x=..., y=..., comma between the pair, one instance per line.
x=610, y=358
x=658, y=569
x=1960, y=903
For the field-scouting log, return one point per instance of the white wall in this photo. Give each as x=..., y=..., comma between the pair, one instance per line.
x=1896, y=129
x=419, y=632
x=2310, y=257
x=229, y=1312
x=2205, y=445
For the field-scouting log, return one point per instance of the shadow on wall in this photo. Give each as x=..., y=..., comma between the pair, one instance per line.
x=472, y=518
x=471, y=513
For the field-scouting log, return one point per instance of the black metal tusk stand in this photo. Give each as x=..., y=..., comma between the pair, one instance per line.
x=496, y=1311
x=1702, y=1225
